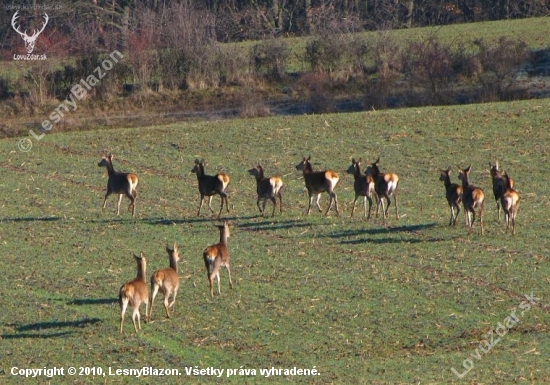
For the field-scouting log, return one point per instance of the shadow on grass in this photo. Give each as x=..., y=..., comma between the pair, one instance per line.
x=41, y=329
x=93, y=301
x=267, y=225
x=57, y=325
x=32, y=335
x=31, y=219
x=412, y=229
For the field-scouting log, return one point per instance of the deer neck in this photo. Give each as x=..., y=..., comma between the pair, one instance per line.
x=223, y=236
x=110, y=169
x=173, y=262
x=141, y=271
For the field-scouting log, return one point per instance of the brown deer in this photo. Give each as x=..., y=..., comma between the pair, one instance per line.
x=318, y=182
x=267, y=188
x=510, y=203
x=167, y=281
x=472, y=197
x=499, y=184
x=135, y=293
x=210, y=185
x=216, y=256
x=363, y=186
x=121, y=183
x=453, y=193
x=385, y=186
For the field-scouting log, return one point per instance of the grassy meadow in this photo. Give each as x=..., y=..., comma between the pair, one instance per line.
x=358, y=301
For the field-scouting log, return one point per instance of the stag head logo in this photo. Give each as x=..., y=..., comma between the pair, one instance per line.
x=29, y=40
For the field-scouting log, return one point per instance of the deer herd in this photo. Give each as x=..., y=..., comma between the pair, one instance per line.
x=370, y=184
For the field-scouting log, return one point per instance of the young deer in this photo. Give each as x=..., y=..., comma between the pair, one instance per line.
x=363, y=186
x=499, y=184
x=453, y=193
x=267, y=188
x=318, y=182
x=385, y=186
x=210, y=185
x=134, y=293
x=472, y=197
x=121, y=183
x=167, y=280
x=510, y=203
x=216, y=256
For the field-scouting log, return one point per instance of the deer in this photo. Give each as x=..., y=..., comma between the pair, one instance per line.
x=453, y=193
x=217, y=255
x=267, y=188
x=318, y=182
x=30, y=41
x=385, y=185
x=167, y=281
x=121, y=183
x=510, y=203
x=210, y=185
x=472, y=197
x=499, y=184
x=363, y=186
x=135, y=293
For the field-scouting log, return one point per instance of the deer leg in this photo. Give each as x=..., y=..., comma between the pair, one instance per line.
x=258, y=204
x=173, y=303
x=105, y=200
x=124, y=306
x=135, y=316
x=131, y=206
x=353, y=206
x=335, y=202
x=280, y=201
x=318, y=197
x=200, y=205
x=229, y=274
x=119, y=202
x=481, y=217
x=396, y=204
x=166, y=306
x=309, y=205
x=370, y=205
x=218, y=279
x=153, y=295
x=210, y=204
x=274, y=205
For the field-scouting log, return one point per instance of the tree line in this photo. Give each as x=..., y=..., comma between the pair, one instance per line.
x=238, y=20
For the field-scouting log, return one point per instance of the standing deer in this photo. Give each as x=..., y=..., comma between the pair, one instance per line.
x=472, y=197
x=135, y=293
x=510, y=203
x=363, y=186
x=167, y=280
x=499, y=184
x=121, y=183
x=385, y=186
x=267, y=188
x=318, y=182
x=216, y=256
x=210, y=185
x=453, y=193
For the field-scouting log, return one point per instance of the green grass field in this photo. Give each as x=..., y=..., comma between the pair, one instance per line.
x=358, y=301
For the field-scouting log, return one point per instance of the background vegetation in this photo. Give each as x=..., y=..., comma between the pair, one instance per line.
x=360, y=301
x=177, y=65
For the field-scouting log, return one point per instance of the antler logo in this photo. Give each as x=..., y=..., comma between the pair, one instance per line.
x=29, y=40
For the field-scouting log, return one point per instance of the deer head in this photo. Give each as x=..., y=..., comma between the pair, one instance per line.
x=29, y=40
